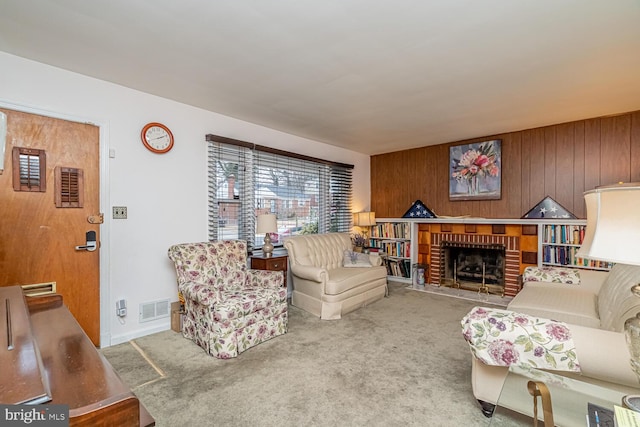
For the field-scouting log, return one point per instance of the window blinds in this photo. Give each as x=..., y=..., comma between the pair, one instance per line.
x=307, y=195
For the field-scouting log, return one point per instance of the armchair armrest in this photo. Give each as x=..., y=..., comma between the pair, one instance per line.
x=202, y=294
x=308, y=272
x=265, y=278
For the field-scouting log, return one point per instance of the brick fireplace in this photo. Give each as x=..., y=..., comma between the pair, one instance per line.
x=506, y=278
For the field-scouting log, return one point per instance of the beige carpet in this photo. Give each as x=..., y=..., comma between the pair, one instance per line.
x=399, y=362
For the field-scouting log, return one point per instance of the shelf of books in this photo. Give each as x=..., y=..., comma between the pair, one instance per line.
x=560, y=244
x=393, y=240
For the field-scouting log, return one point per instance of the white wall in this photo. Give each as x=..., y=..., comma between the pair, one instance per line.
x=165, y=194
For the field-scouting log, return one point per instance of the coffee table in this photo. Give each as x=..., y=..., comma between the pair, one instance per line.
x=569, y=398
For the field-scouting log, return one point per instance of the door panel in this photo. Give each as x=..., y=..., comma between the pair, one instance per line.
x=37, y=240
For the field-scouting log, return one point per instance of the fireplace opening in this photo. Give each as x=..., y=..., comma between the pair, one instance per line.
x=472, y=265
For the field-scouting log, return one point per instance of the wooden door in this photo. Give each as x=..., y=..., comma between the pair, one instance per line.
x=38, y=239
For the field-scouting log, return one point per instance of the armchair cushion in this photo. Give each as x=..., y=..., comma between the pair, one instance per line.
x=241, y=303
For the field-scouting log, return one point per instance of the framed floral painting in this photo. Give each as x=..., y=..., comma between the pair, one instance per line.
x=475, y=171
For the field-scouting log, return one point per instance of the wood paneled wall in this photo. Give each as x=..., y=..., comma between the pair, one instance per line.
x=561, y=161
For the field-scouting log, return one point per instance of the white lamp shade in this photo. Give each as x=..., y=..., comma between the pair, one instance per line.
x=266, y=224
x=613, y=224
x=364, y=219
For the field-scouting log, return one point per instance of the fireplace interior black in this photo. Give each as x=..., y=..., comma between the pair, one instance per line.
x=474, y=264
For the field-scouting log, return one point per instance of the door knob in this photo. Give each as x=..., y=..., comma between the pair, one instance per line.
x=91, y=244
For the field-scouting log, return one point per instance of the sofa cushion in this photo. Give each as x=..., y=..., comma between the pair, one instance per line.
x=571, y=305
x=616, y=303
x=551, y=274
x=343, y=279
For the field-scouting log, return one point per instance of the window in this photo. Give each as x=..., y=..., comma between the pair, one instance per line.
x=29, y=166
x=245, y=180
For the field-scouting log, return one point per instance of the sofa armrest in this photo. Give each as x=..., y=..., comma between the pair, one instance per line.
x=202, y=294
x=265, y=278
x=604, y=355
x=308, y=272
x=375, y=260
x=504, y=338
x=590, y=280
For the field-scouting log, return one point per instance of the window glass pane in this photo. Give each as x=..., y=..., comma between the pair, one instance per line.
x=289, y=188
x=29, y=170
x=228, y=220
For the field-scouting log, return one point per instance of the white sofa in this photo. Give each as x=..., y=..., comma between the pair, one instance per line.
x=594, y=310
x=322, y=285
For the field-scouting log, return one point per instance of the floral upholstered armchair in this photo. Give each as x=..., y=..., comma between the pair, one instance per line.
x=228, y=307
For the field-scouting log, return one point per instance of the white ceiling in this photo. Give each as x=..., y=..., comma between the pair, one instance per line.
x=373, y=76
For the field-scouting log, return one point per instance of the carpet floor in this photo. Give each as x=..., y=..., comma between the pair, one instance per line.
x=401, y=361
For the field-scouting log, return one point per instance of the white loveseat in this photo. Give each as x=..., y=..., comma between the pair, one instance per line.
x=322, y=285
x=594, y=310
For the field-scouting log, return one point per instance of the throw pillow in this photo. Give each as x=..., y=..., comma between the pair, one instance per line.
x=551, y=274
x=355, y=259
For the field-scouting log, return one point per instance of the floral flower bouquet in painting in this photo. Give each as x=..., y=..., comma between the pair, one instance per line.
x=475, y=171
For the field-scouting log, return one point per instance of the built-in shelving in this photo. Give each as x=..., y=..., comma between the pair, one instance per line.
x=393, y=241
x=559, y=245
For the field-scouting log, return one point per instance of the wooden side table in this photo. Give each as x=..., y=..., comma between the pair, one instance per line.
x=274, y=263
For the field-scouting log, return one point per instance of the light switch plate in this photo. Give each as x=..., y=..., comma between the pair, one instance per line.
x=119, y=212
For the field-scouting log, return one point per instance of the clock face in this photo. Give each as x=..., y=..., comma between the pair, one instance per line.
x=157, y=137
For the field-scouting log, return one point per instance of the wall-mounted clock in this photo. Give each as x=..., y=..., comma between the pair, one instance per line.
x=157, y=137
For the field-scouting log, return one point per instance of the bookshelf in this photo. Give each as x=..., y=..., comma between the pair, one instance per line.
x=393, y=241
x=559, y=243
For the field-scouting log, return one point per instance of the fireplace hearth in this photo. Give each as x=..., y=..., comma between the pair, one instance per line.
x=473, y=266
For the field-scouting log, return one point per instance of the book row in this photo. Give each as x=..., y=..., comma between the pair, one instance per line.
x=393, y=248
x=566, y=255
x=391, y=230
x=570, y=234
x=398, y=267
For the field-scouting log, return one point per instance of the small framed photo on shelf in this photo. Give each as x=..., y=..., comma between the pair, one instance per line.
x=475, y=171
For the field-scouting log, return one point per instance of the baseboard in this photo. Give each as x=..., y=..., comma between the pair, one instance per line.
x=119, y=339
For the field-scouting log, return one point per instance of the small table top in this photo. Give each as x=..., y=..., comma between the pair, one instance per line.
x=277, y=253
x=569, y=397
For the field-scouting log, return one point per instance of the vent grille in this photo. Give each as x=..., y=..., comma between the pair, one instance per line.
x=39, y=289
x=154, y=310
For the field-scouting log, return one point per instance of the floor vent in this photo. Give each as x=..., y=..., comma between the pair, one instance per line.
x=154, y=310
x=39, y=289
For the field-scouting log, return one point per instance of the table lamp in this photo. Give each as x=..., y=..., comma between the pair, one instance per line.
x=613, y=235
x=267, y=224
x=364, y=220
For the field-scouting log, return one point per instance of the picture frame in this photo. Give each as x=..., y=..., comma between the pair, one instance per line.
x=475, y=171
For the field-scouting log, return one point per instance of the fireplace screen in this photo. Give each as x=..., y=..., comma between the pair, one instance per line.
x=470, y=265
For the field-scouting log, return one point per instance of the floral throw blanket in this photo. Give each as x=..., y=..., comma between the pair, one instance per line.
x=504, y=338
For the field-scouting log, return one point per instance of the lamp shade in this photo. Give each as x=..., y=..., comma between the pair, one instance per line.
x=364, y=219
x=266, y=224
x=613, y=224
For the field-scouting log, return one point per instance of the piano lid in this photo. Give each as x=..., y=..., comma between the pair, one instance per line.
x=23, y=379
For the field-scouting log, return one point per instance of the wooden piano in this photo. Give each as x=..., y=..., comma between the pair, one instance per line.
x=47, y=358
